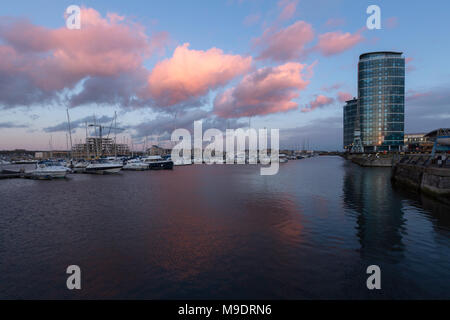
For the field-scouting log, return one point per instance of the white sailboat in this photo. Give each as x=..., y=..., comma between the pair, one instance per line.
x=49, y=170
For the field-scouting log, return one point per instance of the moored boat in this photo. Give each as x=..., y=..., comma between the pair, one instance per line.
x=158, y=163
x=283, y=158
x=136, y=165
x=80, y=166
x=103, y=167
x=48, y=170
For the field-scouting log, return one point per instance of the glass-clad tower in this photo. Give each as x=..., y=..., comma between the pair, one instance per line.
x=350, y=112
x=381, y=100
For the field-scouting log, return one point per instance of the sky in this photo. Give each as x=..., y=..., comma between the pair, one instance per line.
x=161, y=65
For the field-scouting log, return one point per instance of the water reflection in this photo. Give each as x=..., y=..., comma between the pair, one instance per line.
x=378, y=212
x=223, y=232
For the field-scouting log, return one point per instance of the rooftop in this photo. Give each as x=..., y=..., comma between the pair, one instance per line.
x=380, y=52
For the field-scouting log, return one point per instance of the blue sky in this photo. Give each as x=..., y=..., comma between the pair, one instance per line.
x=419, y=29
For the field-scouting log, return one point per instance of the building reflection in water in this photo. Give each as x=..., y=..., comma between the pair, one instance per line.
x=368, y=196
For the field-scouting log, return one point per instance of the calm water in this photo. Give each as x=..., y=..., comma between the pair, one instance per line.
x=223, y=232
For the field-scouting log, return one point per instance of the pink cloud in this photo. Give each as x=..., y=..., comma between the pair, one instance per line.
x=344, y=96
x=287, y=43
x=332, y=43
x=318, y=102
x=190, y=74
x=335, y=22
x=49, y=60
x=288, y=9
x=265, y=91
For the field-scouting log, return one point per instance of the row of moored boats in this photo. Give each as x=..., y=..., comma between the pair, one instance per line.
x=54, y=169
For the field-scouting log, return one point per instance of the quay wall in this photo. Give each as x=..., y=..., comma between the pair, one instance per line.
x=372, y=160
x=432, y=181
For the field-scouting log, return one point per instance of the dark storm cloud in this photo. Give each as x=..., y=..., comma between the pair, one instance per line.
x=119, y=90
x=16, y=90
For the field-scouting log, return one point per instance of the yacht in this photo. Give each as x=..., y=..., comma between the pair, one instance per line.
x=283, y=158
x=49, y=170
x=25, y=162
x=80, y=166
x=158, y=163
x=104, y=166
x=136, y=165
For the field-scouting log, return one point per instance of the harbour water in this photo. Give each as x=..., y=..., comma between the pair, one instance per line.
x=223, y=231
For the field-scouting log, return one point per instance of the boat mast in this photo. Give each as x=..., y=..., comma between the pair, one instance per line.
x=51, y=146
x=70, y=132
x=115, y=134
x=87, y=143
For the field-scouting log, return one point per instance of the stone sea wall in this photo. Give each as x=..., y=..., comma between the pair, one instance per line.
x=432, y=181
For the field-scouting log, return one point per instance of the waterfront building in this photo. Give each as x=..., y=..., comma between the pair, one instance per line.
x=157, y=151
x=97, y=147
x=417, y=142
x=380, y=106
x=51, y=154
x=350, y=111
x=381, y=100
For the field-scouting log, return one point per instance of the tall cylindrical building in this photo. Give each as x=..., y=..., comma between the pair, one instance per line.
x=381, y=100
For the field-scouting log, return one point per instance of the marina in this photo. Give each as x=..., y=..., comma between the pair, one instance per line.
x=264, y=153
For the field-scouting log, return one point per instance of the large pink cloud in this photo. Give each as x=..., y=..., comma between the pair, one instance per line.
x=190, y=74
x=335, y=42
x=318, y=102
x=48, y=60
x=285, y=44
x=265, y=91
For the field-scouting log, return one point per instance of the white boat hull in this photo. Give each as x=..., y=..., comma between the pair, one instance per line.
x=103, y=168
x=104, y=171
x=136, y=167
x=78, y=170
